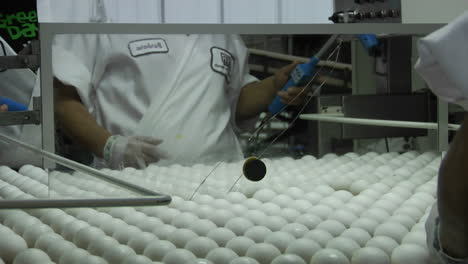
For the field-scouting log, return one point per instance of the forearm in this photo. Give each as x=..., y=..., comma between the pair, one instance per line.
x=78, y=123
x=255, y=98
x=453, y=195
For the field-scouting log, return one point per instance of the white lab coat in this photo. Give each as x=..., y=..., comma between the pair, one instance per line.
x=182, y=89
x=17, y=84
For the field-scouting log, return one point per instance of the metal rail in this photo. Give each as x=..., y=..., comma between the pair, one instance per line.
x=340, y=118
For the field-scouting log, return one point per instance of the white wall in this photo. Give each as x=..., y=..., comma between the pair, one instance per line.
x=432, y=11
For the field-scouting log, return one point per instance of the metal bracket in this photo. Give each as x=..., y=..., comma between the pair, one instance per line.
x=22, y=117
x=27, y=58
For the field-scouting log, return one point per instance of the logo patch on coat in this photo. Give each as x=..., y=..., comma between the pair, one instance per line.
x=222, y=62
x=147, y=46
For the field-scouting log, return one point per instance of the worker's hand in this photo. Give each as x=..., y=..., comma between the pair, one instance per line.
x=3, y=108
x=294, y=95
x=134, y=151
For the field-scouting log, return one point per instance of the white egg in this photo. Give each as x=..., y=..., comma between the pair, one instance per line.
x=204, y=211
x=346, y=217
x=111, y=226
x=295, y=229
x=321, y=211
x=329, y=255
x=295, y=192
x=124, y=234
x=137, y=259
x=221, y=217
x=313, y=197
x=58, y=248
x=356, y=208
x=384, y=243
x=178, y=255
x=391, y=229
x=274, y=223
x=201, y=246
x=235, y=197
x=180, y=237
x=118, y=253
x=309, y=220
x=378, y=214
x=31, y=256
x=244, y=260
x=320, y=236
x=359, y=235
x=358, y=186
x=139, y=241
x=203, y=199
x=281, y=240
x=163, y=232
x=168, y=214
x=410, y=253
x=239, y=225
x=135, y=218
x=184, y=220
x=46, y=239
x=156, y=250
x=257, y=233
x=416, y=237
x=202, y=226
x=332, y=202
x=370, y=255
x=73, y=256
x=288, y=259
x=221, y=255
x=414, y=213
x=252, y=203
x=101, y=245
x=332, y=226
x=238, y=209
x=240, y=244
x=11, y=245
x=86, y=213
x=150, y=224
x=220, y=204
x=345, y=245
x=264, y=195
x=305, y=248
x=84, y=237
x=255, y=216
x=32, y=233
x=282, y=200
x=264, y=253
x=271, y=208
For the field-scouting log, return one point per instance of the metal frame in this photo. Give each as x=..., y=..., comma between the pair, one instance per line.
x=49, y=30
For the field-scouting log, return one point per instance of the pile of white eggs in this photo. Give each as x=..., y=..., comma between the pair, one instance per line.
x=338, y=209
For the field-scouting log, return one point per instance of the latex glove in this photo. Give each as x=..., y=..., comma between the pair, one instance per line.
x=442, y=61
x=134, y=151
x=293, y=95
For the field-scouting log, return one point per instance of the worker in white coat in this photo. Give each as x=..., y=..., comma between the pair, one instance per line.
x=138, y=99
x=442, y=63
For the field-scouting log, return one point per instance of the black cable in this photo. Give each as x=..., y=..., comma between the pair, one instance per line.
x=386, y=144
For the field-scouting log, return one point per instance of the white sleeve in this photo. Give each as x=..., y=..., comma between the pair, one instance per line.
x=73, y=63
x=245, y=78
x=442, y=59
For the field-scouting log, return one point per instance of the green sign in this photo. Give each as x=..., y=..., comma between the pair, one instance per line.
x=20, y=25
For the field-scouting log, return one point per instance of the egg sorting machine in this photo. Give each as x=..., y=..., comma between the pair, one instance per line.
x=261, y=219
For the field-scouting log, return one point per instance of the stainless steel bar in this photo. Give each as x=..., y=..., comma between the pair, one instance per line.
x=20, y=118
x=68, y=203
x=339, y=118
x=80, y=167
x=442, y=125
